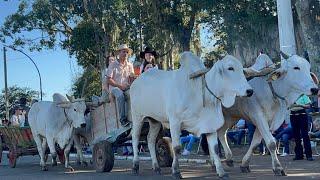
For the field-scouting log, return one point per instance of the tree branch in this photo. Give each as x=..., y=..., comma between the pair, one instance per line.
x=62, y=20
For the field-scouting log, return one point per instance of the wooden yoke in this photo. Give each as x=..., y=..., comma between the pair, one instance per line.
x=198, y=73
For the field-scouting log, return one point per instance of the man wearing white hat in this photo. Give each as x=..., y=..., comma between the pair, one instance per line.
x=118, y=74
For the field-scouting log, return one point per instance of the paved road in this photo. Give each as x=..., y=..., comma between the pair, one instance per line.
x=28, y=168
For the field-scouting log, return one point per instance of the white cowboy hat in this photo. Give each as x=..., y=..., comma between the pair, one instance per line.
x=124, y=46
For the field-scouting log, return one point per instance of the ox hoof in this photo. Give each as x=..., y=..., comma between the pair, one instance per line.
x=177, y=175
x=43, y=168
x=224, y=177
x=70, y=169
x=245, y=169
x=279, y=172
x=157, y=171
x=135, y=169
x=230, y=163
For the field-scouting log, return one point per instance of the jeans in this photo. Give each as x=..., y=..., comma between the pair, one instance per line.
x=236, y=136
x=190, y=140
x=285, y=135
x=118, y=94
x=299, y=125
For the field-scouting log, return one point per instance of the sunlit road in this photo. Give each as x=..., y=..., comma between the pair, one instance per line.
x=28, y=168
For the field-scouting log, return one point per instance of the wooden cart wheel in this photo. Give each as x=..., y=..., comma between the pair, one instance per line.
x=103, y=157
x=12, y=158
x=163, y=152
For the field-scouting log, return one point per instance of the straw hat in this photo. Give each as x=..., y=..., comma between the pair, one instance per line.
x=124, y=46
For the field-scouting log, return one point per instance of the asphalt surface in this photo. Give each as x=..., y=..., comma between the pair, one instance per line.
x=28, y=168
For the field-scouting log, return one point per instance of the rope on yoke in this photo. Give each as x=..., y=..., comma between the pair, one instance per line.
x=312, y=114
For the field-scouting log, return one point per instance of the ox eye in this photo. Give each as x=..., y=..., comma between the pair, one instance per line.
x=296, y=68
x=74, y=109
x=231, y=69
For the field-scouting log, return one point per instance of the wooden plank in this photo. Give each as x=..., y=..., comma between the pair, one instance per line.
x=14, y=137
x=112, y=122
x=7, y=135
x=30, y=136
x=98, y=126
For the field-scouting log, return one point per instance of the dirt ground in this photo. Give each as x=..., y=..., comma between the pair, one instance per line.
x=261, y=168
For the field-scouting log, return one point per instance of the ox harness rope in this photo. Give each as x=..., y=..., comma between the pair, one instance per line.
x=206, y=85
x=202, y=74
x=275, y=95
x=67, y=119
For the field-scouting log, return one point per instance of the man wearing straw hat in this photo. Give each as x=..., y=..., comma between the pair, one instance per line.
x=118, y=74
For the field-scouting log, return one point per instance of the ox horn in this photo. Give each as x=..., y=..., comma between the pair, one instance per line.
x=249, y=72
x=70, y=98
x=284, y=55
x=64, y=104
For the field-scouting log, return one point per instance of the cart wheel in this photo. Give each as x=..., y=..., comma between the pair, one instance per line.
x=164, y=153
x=60, y=154
x=103, y=157
x=12, y=158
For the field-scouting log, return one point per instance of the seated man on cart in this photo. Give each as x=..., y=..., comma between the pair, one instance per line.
x=119, y=79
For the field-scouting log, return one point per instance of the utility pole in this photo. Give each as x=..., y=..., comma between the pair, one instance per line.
x=286, y=28
x=5, y=83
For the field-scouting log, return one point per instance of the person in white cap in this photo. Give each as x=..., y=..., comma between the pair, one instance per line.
x=118, y=78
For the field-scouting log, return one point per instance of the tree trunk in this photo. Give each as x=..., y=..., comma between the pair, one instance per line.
x=310, y=26
x=187, y=32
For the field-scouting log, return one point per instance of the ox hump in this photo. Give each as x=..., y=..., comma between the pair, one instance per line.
x=58, y=98
x=190, y=62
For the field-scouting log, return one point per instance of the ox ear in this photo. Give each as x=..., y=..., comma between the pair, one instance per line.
x=64, y=105
x=70, y=98
x=277, y=74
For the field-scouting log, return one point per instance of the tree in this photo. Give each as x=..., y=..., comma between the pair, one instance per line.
x=309, y=16
x=14, y=94
x=244, y=28
x=88, y=29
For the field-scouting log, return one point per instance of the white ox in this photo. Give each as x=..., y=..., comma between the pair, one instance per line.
x=267, y=109
x=53, y=122
x=173, y=99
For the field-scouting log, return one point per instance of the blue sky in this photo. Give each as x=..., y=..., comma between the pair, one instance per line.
x=57, y=69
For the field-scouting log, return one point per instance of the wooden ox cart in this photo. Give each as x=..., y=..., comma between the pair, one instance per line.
x=19, y=141
x=106, y=132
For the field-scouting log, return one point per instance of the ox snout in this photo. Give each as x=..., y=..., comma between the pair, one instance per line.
x=83, y=125
x=249, y=92
x=314, y=91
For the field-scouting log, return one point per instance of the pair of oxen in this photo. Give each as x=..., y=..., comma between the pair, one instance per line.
x=210, y=101
x=191, y=98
